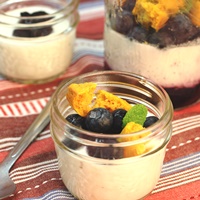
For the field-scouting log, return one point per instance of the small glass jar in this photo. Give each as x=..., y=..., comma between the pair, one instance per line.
x=159, y=40
x=36, y=38
x=94, y=165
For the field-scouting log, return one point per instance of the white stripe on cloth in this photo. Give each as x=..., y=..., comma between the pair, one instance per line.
x=30, y=107
x=54, y=195
x=181, y=164
x=91, y=10
x=178, y=179
x=6, y=144
x=180, y=175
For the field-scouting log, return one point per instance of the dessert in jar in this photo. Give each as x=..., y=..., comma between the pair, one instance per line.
x=158, y=39
x=110, y=131
x=36, y=38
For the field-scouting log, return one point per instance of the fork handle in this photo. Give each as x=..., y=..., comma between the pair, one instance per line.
x=36, y=127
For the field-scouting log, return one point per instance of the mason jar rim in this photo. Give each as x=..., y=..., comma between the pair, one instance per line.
x=53, y=17
x=166, y=115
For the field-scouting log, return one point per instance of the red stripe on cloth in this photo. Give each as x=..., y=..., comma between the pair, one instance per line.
x=10, y=109
x=18, y=109
x=6, y=84
x=39, y=103
x=38, y=147
x=25, y=107
x=41, y=187
x=183, y=144
x=190, y=110
x=33, y=106
x=184, y=192
x=3, y=155
x=3, y=111
x=92, y=29
x=84, y=65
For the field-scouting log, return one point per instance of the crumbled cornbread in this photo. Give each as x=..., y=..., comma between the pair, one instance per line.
x=195, y=13
x=172, y=6
x=132, y=127
x=150, y=14
x=137, y=149
x=155, y=13
x=109, y=101
x=80, y=97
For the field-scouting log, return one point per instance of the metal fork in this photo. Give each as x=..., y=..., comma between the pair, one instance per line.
x=7, y=186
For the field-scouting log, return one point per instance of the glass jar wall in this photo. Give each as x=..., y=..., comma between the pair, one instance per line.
x=84, y=155
x=36, y=38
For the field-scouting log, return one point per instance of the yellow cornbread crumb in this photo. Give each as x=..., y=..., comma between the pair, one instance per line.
x=110, y=102
x=155, y=13
x=150, y=14
x=172, y=6
x=80, y=97
x=195, y=13
x=137, y=149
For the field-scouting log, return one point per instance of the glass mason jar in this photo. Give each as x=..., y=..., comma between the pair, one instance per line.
x=36, y=38
x=94, y=165
x=158, y=39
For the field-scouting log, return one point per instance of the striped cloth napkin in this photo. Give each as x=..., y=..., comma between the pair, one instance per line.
x=36, y=172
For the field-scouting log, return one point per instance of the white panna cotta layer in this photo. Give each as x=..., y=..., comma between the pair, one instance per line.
x=112, y=180
x=36, y=58
x=176, y=66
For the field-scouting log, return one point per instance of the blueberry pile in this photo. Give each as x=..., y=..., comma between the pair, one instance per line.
x=34, y=32
x=100, y=120
x=178, y=29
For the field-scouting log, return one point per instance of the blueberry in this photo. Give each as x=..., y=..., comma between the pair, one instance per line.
x=161, y=39
x=109, y=152
x=99, y=120
x=79, y=122
x=138, y=33
x=35, y=32
x=76, y=120
x=72, y=144
x=35, y=14
x=22, y=33
x=118, y=115
x=149, y=121
x=122, y=21
x=129, y=5
x=181, y=28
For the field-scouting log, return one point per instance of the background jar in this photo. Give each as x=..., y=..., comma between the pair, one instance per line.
x=93, y=165
x=37, y=48
x=159, y=40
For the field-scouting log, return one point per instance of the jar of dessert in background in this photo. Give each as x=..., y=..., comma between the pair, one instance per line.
x=83, y=155
x=36, y=38
x=159, y=39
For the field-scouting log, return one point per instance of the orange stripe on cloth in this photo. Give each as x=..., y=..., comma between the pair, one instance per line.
x=37, y=147
x=184, y=192
x=188, y=111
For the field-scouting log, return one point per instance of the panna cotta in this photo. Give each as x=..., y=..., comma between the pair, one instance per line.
x=159, y=40
x=98, y=158
x=36, y=42
x=92, y=179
